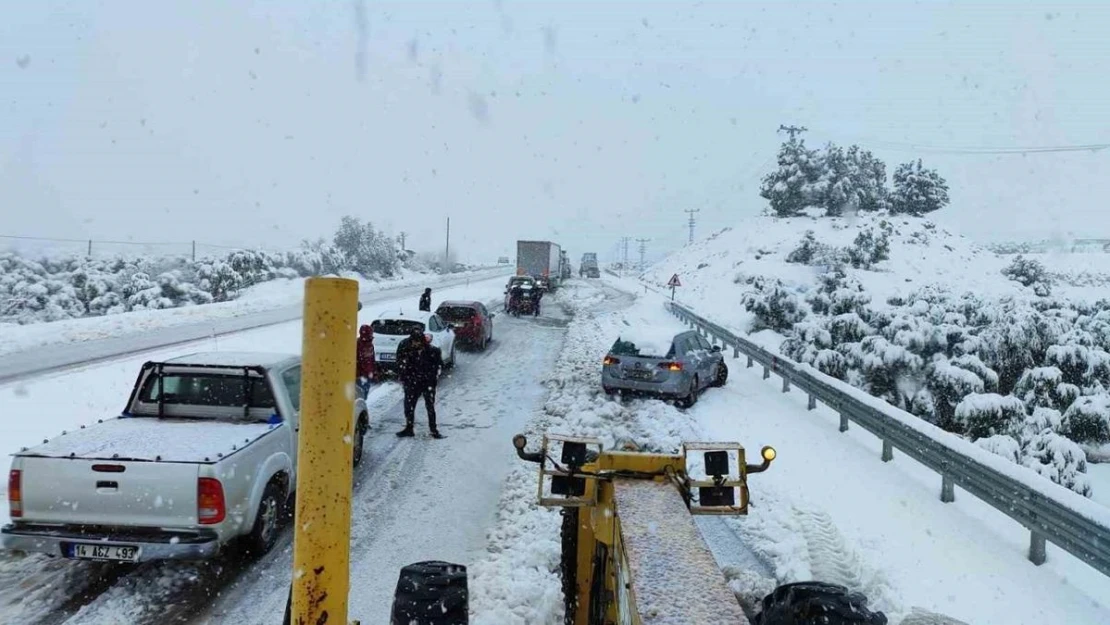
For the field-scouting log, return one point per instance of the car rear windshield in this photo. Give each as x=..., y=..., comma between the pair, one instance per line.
x=207, y=389
x=396, y=327
x=456, y=313
x=624, y=347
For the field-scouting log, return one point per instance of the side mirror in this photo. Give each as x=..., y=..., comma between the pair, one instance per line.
x=360, y=305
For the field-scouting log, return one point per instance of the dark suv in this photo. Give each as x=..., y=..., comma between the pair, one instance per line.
x=472, y=322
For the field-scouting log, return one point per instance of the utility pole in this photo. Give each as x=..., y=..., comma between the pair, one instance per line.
x=691, y=213
x=624, y=254
x=403, y=234
x=447, y=251
x=643, y=250
x=792, y=130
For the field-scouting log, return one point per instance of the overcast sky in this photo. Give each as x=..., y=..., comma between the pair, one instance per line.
x=262, y=123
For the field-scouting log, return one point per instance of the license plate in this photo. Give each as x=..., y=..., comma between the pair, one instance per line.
x=386, y=356
x=104, y=552
x=640, y=375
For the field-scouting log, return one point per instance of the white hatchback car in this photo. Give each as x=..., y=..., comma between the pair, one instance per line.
x=392, y=328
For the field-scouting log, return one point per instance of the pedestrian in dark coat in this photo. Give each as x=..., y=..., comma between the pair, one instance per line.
x=426, y=301
x=365, y=368
x=419, y=363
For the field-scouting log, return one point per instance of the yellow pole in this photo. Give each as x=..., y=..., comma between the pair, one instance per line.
x=321, y=542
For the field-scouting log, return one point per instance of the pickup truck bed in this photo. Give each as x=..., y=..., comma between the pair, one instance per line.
x=150, y=438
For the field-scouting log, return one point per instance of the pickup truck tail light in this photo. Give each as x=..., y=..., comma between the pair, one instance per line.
x=15, y=493
x=211, y=507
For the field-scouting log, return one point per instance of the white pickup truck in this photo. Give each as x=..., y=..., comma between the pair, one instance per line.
x=204, y=453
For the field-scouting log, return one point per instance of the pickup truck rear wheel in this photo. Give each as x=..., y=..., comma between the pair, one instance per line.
x=265, y=531
x=360, y=435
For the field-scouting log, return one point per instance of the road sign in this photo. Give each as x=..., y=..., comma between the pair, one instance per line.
x=675, y=282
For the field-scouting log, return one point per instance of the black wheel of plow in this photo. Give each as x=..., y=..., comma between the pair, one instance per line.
x=568, y=565
x=431, y=593
x=816, y=603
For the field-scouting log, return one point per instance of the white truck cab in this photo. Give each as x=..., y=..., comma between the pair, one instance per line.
x=205, y=452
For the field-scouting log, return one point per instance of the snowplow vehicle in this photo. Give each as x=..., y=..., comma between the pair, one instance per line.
x=631, y=552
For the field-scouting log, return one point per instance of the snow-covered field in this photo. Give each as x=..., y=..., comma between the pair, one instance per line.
x=268, y=296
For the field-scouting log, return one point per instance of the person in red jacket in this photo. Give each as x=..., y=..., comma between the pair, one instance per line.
x=364, y=358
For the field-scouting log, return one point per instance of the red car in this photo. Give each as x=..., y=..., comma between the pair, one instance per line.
x=472, y=322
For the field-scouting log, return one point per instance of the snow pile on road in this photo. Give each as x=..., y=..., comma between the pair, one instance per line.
x=518, y=581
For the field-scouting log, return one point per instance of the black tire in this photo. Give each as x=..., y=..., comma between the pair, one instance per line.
x=266, y=523
x=722, y=375
x=359, y=442
x=813, y=603
x=568, y=564
x=692, y=397
x=450, y=364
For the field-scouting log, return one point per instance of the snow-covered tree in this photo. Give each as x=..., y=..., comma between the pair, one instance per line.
x=880, y=368
x=774, y=307
x=949, y=385
x=219, y=279
x=1087, y=420
x=791, y=188
x=806, y=251
x=868, y=180
x=371, y=252
x=1044, y=387
x=981, y=415
x=836, y=189
x=1058, y=459
x=869, y=248
x=1002, y=445
x=917, y=190
x=1030, y=273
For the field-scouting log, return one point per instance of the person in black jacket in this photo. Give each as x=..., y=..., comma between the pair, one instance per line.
x=426, y=301
x=419, y=363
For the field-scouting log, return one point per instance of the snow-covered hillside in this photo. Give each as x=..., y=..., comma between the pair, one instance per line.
x=1008, y=351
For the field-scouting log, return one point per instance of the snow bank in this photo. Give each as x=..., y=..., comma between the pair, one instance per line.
x=518, y=581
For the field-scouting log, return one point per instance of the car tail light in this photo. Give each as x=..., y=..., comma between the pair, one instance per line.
x=211, y=508
x=610, y=360
x=671, y=366
x=15, y=493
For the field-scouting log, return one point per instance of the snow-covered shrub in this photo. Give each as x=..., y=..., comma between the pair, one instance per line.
x=1044, y=387
x=1087, y=420
x=774, y=307
x=805, y=251
x=869, y=249
x=986, y=414
x=1028, y=272
x=881, y=368
x=1085, y=367
x=219, y=280
x=1058, y=459
x=949, y=385
x=923, y=404
x=848, y=328
x=831, y=363
x=1042, y=419
x=1002, y=445
x=1017, y=339
x=972, y=363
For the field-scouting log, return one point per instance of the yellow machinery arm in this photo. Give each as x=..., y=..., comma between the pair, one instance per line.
x=631, y=551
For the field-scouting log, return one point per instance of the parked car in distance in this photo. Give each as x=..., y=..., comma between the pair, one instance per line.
x=204, y=453
x=472, y=322
x=392, y=328
x=677, y=369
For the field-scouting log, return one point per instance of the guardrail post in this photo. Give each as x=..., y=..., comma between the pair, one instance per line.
x=751, y=363
x=812, y=403
x=947, y=489
x=888, y=451
x=1037, y=553
x=785, y=385
x=843, y=422
x=736, y=350
x=766, y=372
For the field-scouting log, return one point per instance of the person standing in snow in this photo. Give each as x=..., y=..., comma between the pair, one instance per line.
x=426, y=300
x=419, y=363
x=365, y=368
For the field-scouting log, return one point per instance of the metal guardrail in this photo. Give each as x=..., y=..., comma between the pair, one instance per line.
x=1058, y=517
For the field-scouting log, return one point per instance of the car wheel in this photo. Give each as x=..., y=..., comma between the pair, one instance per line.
x=360, y=436
x=265, y=531
x=722, y=375
x=692, y=397
x=450, y=364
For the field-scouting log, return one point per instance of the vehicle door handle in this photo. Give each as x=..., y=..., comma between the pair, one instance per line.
x=106, y=488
